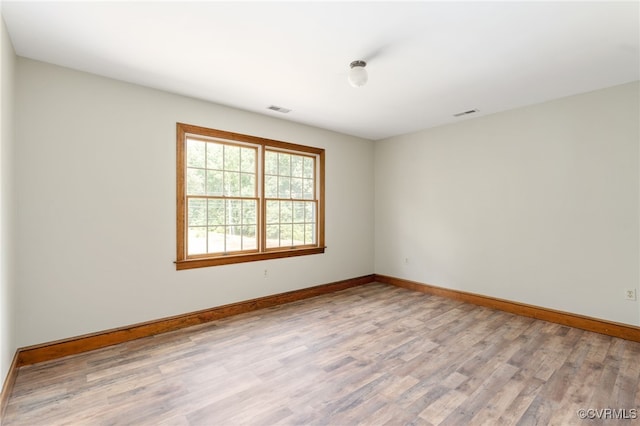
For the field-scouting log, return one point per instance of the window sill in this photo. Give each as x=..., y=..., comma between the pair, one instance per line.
x=241, y=258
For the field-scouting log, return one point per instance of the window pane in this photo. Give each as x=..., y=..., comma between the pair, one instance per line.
x=197, y=240
x=216, y=212
x=234, y=212
x=296, y=188
x=214, y=182
x=273, y=236
x=307, y=186
x=284, y=187
x=310, y=212
x=271, y=163
x=247, y=185
x=216, y=239
x=297, y=165
x=232, y=158
x=308, y=167
x=248, y=160
x=284, y=164
x=286, y=212
x=310, y=234
x=195, y=153
x=298, y=234
x=197, y=212
x=271, y=186
x=215, y=156
x=234, y=238
x=249, y=212
x=249, y=241
x=231, y=184
x=286, y=235
x=195, y=181
x=298, y=212
x=273, y=212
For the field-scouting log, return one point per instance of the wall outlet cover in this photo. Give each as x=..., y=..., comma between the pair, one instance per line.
x=630, y=294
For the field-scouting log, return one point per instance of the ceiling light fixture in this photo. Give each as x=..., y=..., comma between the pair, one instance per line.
x=358, y=75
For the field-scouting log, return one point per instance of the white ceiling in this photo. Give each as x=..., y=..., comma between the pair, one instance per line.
x=426, y=60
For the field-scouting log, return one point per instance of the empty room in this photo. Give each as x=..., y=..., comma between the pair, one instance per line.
x=319, y=213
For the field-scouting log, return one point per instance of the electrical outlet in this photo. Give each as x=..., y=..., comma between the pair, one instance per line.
x=630, y=294
x=266, y=273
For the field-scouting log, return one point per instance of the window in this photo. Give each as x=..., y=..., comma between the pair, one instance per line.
x=243, y=198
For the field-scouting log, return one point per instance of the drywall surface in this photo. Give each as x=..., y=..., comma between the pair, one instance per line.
x=7, y=204
x=537, y=205
x=96, y=198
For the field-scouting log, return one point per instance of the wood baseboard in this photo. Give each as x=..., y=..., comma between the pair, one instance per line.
x=7, y=387
x=61, y=348
x=75, y=345
x=610, y=328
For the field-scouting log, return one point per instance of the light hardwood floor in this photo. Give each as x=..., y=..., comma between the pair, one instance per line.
x=371, y=355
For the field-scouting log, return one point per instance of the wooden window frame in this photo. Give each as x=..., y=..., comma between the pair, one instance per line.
x=183, y=261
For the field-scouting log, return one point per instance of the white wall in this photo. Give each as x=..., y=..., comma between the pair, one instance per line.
x=96, y=199
x=537, y=205
x=7, y=205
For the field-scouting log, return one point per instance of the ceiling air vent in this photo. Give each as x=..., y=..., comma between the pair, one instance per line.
x=278, y=109
x=460, y=114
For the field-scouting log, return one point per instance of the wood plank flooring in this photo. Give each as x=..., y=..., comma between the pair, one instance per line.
x=370, y=355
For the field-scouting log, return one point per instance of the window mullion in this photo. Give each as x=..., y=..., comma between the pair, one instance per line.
x=262, y=215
